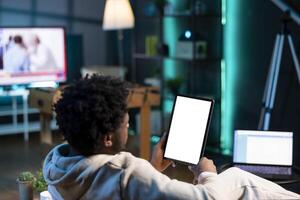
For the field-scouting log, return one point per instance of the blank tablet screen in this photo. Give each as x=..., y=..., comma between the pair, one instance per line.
x=188, y=129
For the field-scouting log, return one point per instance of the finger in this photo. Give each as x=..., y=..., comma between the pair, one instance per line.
x=204, y=158
x=164, y=136
x=163, y=139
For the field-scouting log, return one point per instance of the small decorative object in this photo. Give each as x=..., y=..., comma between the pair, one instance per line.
x=149, y=9
x=200, y=7
x=169, y=9
x=105, y=70
x=151, y=44
x=174, y=84
x=26, y=180
x=160, y=5
x=163, y=49
x=154, y=79
x=185, y=46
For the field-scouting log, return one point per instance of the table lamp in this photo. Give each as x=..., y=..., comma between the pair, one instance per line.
x=118, y=15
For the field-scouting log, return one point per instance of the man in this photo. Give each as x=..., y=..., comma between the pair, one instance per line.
x=16, y=58
x=40, y=55
x=92, y=116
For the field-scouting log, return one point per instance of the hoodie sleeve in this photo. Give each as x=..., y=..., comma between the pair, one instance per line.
x=140, y=180
x=204, y=177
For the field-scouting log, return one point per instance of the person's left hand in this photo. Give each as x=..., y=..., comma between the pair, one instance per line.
x=157, y=159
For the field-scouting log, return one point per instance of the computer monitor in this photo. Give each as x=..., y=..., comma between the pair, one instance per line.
x=32, y=54
x=263, y=147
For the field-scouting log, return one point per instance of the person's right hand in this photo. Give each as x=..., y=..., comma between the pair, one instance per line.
x=204, y=165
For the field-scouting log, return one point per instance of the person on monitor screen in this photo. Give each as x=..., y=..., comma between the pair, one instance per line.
x=1, y=52
x=15, y=58
x=92, y=115
x=41, y=56
x=10, y=42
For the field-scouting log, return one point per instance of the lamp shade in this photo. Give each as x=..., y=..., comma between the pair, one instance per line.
x=118, y=15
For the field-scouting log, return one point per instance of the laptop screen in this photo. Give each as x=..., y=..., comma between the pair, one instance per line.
x=263, y=147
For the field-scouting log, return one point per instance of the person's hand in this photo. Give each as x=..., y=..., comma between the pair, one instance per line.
x=157, y=159
x=204, y=165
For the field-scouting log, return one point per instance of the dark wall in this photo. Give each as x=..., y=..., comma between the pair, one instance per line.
x=259, y=21
x=79, y=17
x=74, y=57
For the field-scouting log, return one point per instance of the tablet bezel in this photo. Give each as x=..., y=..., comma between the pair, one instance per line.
x=206, y=129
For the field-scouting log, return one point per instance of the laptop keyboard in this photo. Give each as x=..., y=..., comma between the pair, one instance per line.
x=266, y=169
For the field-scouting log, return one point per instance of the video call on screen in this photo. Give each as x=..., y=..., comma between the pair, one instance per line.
x=187, y=130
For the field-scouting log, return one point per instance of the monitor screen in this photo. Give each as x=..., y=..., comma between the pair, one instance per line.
x=263, y=147
x=29, y=55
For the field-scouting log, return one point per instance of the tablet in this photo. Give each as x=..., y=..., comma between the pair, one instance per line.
x=188, y=129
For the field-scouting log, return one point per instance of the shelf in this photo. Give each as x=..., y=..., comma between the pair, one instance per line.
x=202, y=76
x=7, y=110
x=144, y=56
x=181, y=15
x=9, y=129
x=172, y=98
x=175, y=15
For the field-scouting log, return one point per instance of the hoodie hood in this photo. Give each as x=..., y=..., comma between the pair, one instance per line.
x=64, y=172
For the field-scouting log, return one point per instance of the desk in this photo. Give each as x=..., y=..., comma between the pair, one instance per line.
x=294, y=179
x=43, y=99
x=142, y=98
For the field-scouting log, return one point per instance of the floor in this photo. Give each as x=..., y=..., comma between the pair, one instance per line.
x=17, y=156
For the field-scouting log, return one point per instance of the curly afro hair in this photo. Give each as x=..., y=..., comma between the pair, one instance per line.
x=89, y=108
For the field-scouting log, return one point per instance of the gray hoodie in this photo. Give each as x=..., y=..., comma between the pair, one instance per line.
x=120, y=176
x=123, y=176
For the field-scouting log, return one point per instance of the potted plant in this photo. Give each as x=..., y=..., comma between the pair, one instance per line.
x=40, y=184
x=26, y=180
x=174, y=84
x=154, y=78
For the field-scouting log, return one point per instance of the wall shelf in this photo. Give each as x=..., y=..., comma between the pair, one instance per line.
x=144, y=56
x=180, y=15
x=35, y=126
x=200, y=76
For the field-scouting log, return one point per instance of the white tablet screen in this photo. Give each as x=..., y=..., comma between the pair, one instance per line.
x=187, y=133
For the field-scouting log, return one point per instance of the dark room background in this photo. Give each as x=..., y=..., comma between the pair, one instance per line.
x=90, y=45
x=258, y=23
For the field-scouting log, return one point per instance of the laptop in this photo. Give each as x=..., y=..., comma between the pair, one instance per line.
x=268, y=154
